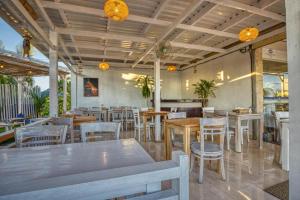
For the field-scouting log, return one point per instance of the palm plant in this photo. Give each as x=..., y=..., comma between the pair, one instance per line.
x=146, y=84
x=205, y=89
x=39, y=101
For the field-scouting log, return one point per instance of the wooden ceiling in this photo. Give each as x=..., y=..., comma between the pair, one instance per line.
x=198, y=30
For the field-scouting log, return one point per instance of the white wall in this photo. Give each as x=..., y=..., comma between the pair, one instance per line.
x=234, y=91
x=114, y=92
x=236, y=86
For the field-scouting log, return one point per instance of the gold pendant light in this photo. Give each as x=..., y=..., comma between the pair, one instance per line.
x=248, y=34
x=116, y=10
x=171, y=68
x=104, y=66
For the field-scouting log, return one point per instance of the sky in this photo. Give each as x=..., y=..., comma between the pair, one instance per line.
x=11, y=39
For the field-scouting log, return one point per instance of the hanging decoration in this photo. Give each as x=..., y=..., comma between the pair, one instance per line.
x=26, y=46
x=104, y=66
x=116, y=10
x=171, y=68
x=248, y=34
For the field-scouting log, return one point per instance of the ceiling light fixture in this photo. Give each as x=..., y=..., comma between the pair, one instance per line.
x=171, y=68
x=248, y=34
x=104, y=66
x=116, y=10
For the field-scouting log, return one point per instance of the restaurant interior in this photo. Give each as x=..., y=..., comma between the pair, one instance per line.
x=160, y=99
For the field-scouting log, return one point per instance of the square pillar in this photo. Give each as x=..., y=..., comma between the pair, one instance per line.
x=157, y=98
x=20, y=93
x=53, y=76
x=293, y=50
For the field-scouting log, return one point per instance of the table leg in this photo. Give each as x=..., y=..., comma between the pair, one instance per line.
x=145, y=128
x=168, y=145
x=187, y=141
x=261, y=132
x=238, y=141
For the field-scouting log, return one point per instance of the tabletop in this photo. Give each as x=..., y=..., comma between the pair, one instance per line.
x=186, y=122
x=152, y=113
x=22, y=169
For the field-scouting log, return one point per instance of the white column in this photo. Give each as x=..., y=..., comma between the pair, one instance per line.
x=157, y=98
x=20, y=94
x=293, y=47
x=53, y=73
x=65, y=94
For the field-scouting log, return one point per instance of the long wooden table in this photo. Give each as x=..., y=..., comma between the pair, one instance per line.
x=61, y=168
x=149, y=114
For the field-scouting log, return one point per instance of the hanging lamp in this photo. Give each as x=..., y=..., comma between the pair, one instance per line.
x=116, y=10
x=248, y=34
x=103, y=66
x=171, y=68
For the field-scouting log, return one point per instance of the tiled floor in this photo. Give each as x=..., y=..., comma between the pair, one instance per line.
x=247, y=173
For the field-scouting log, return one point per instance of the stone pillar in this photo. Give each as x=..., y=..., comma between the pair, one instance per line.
x=65, y=94
x=293, y=50
x=53, y=73
x=257, y=68
x=20, y=94
x=157, y=98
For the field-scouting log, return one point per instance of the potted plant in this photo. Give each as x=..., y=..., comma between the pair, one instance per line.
x=146, y=84
x=205, y=89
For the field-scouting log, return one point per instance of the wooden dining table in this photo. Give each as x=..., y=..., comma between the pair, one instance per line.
x=183, y=126
x=149, y=114
x=83, y=119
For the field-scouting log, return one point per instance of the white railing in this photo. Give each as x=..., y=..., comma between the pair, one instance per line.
x=9, y=102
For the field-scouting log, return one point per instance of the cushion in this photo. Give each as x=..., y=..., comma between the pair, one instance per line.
x=208, y=147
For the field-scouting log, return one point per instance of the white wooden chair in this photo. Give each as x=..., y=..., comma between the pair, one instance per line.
x=207, y=150
x=278, y=129
x=99, y=127
x=208, y=111
x=118, y=116
x=129, y=120
x=139, y=125
x=40, y=135
x=230, y=131
x=67, y=122
x=176, y=115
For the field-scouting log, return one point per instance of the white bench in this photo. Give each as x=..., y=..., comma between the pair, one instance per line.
x=117, y=182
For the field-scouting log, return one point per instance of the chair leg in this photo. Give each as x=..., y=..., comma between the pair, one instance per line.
x=228, y=140
x=192, y=160
x=201, y=169
x=248, y=138
x=222, y=168
x=242, y=136
x=139, y=134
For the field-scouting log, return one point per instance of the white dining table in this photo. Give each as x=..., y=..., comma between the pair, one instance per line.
x=58, y=166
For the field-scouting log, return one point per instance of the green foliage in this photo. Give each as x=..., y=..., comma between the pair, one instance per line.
x=38, y=100
x=146, y=84
x=5, y=79
x=205, y=89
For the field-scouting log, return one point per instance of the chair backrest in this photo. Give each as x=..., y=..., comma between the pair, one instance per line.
x=207, y=111
x=64, y=121
x=176, y=115
x=280, y=115
x=111, y=127
x=40, y=135
x=144, y=109
x=173, y=109
x=212, y=126
x=128, y=113
x=117, y=114
x=136, y=117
